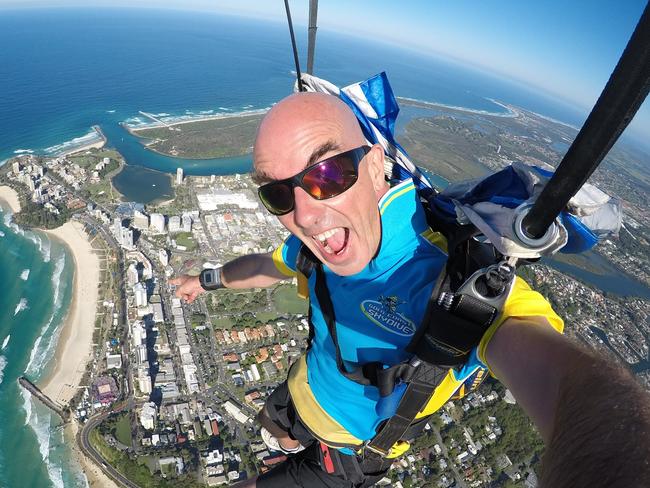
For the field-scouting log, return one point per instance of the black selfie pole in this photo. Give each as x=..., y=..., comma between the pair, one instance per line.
x=624, y=93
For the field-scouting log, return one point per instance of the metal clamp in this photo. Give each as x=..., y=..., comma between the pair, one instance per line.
x=536, y=244
x=505, y=269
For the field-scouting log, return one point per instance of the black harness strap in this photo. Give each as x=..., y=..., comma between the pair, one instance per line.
x=415, y=398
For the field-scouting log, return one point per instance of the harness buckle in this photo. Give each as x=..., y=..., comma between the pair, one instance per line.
x=376, y=450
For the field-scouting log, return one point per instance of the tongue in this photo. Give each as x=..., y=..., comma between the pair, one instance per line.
x=337, y=241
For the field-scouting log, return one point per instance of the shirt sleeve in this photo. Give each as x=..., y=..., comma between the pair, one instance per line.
x=522, y=302
x=286, y=254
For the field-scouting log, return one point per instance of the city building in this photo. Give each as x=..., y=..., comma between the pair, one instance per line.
x=163, y=256
x=157, y=223
x=174, y=223
x=140, y=220
x=140, y=292
x=113, y=361
x=187, y=223
x=179, y=176
x=148, y=415
x=132, y=275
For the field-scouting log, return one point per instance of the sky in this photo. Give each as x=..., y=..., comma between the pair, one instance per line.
x=566, y=48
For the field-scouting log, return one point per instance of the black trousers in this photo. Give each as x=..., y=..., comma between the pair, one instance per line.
x=306, y=468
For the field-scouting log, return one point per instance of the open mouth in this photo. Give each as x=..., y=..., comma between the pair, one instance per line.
x=333, y=241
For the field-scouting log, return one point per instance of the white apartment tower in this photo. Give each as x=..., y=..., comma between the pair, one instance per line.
x=140, y=295
x=140, y=220
x=179, y=176
x=157, y=223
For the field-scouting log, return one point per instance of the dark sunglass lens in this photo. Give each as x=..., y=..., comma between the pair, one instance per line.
x=277, y=197
x=330, y=178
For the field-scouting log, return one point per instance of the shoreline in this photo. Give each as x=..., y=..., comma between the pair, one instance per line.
x=91, y=145
x=74, y=348
x=9, y=197
x=190, y=119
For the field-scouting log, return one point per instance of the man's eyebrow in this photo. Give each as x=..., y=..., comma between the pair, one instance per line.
x=320, y=151
x=260, y=177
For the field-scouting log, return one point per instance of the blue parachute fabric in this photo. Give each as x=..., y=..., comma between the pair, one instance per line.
x=505, y=188
x=581, y=238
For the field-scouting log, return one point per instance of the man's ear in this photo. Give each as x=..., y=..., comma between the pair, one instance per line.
x=376, y=168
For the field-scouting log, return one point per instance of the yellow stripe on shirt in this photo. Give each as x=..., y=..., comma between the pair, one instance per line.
x=278, y=260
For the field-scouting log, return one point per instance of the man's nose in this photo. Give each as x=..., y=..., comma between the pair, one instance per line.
x=307, y=210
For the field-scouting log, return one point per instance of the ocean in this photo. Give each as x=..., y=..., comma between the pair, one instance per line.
x=63, y=71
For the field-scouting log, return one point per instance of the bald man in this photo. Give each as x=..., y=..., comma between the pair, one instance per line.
x=378, y=260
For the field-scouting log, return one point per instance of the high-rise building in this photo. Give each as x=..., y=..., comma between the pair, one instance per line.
x=140, y=292
x=187, y=223
x=117, y=229
x=179, y=176
x=140, y=220
x=174, y=224
x=132, y=275
x=127, y=238
x=16, y=167
x=157, y=223
x=164, y=257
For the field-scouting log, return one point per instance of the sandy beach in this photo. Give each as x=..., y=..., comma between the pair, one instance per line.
x=9, y=197
x=75, y=344
x=96, y=477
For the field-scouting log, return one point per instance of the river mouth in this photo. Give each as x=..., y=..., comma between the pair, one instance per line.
x=602, y=275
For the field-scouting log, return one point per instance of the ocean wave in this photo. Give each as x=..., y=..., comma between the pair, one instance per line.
x=110, y=111
x=7, y=216
x=39, y=356
x=509, y=113
x=24, y=151
x=42, y=425
x=206, y=112
x=43, y=243
x=2, y=234
x=3, y=364
x=138, y=123
x=66, y=146
x=225, y=109
x=5, y=343
x=22, y=305
x=24, y=275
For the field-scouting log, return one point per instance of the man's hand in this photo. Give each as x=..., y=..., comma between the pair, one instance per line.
x=187, y=287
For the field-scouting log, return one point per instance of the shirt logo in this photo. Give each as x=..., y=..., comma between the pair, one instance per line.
x=383, y=312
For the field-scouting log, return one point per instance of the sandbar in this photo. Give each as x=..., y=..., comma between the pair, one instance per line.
x=75, y=343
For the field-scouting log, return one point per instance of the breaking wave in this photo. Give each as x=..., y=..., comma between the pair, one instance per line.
x=3, y=364
x=22, y=305
x=5, y=343
x=24, y=151
x=24, y=275
x=43, y=243
x=2, y=234
x=77, y=142
x=40, y=355
x=41, y=425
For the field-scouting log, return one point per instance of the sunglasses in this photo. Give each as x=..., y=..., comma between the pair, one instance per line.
x=323, y=180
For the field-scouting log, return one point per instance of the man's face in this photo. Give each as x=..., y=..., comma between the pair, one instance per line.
x=344, y=232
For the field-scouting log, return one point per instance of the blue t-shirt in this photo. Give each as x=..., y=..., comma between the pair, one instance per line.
x=377, y=310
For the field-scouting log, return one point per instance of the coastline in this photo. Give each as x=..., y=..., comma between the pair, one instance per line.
x=74, y=348
x=95, y=476
x=10, y=198
x=190, y=119
x=91, y=145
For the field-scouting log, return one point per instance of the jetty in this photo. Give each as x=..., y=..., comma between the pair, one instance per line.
x=45, y=400
x=156, y=119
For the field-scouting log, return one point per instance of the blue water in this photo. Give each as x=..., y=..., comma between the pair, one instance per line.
x=63, y=71
x=31, y=311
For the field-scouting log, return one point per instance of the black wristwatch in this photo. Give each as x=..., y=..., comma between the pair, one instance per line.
x=210, y=279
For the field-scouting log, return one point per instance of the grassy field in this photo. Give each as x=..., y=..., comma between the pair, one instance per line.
x=286, y=300
x=186, y=239
x=123, y=431
x=216, y=138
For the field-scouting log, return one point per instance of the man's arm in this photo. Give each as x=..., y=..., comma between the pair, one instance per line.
x=592, y=414
x=250, y=271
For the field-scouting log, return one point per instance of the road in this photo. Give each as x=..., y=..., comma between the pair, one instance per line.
x=86, y=447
